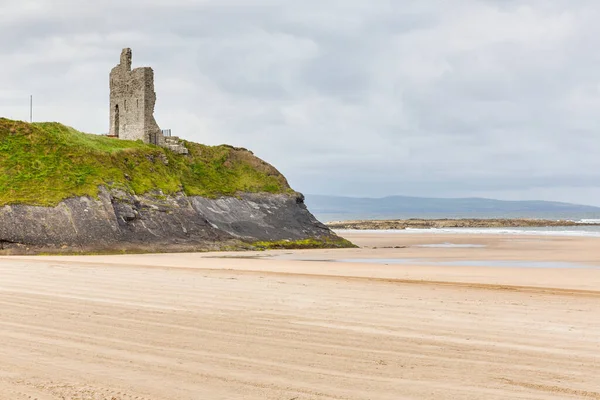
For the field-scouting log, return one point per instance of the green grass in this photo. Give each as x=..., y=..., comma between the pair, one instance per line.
x=44, y=163
x=318, y=243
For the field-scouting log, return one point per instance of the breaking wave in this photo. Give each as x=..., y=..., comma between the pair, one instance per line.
x=585, y=231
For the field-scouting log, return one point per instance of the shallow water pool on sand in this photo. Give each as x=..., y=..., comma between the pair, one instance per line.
x=473, y=263
x=451, y=246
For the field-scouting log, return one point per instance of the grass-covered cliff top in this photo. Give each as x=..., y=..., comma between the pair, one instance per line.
x=44, y=163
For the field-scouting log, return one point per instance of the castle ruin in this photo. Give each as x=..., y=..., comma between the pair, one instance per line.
x=132, y=100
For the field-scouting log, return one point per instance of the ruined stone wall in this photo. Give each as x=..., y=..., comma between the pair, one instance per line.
x=132, y=100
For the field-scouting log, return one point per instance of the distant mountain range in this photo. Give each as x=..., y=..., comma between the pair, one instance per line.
x=337, y=208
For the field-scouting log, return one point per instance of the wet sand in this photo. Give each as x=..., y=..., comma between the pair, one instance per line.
x=300, y=325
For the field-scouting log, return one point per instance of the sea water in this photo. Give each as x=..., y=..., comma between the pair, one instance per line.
x=585, y=231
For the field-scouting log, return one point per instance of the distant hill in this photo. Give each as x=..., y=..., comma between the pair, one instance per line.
x=336, y=208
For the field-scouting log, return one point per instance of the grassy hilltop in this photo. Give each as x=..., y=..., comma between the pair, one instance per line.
x=44, y=163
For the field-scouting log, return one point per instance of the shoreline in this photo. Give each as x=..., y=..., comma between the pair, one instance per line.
x=475, y=260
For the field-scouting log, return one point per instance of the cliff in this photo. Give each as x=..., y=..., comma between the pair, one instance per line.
x=63, y=191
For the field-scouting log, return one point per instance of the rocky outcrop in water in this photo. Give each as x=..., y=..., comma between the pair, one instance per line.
x=117, y=221
x=449, y=223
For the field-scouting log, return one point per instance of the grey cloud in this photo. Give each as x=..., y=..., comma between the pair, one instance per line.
x=364, y=98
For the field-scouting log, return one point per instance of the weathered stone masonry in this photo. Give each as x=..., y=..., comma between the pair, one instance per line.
x=132, y=100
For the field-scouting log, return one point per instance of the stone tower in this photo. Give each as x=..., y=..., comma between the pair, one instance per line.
x=132, y=100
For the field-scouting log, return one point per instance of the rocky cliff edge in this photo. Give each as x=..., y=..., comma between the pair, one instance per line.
x=116, y=221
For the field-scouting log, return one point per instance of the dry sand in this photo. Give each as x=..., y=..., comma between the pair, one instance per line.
x=197, y=326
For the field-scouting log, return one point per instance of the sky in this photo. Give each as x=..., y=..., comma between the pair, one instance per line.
x=461, y=98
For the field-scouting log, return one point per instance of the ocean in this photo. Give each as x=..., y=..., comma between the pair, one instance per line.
x=585, y=231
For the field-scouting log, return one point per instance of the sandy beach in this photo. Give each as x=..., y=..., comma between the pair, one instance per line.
x=406, y=316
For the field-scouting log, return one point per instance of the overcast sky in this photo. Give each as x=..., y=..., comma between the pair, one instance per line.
x=494, y=98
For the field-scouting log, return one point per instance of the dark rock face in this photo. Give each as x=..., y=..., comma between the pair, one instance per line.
x=117, y=221
x=261, y=217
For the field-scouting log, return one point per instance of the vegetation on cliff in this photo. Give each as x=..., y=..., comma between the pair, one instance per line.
x=317, y=243
x=44, y=163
